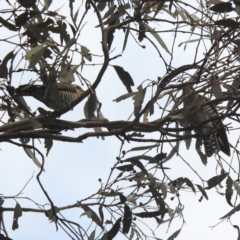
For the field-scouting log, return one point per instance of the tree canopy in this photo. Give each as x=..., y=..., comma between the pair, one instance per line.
x=132, y=62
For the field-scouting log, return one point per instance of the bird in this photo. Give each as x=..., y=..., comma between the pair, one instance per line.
x=212, y=132
x=66, y=93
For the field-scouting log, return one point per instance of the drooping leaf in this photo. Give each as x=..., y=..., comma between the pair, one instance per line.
x=236, y=186
x=86, y=53
x=201, y=189
x=30, y=153
x=181, y=181
x=138, y=100
x=91, y=214
x=140, y=165
x=229, y=190
x=17, y=214
x=142, y=30
x=109, y=12
x=125, y=77
x=47, y=3
x=90, y=106
x=159, y=201
x=237, y=227
x=217, y=91
x=188, y=140
x=161, y=204
x=101, y=213
x=69, y=43
x=163, y=188
x=174, y=235
x=131, y=234
x=172, y=153
x=200, y=153
x=64, y=35
x=92, y=235
x=36, y=57
x=67, y=73
x=126, y=38
x=114, y=230
x=3, y=66
x=158, y=8
x=157, y=37
x=110, y=34
x=123, y=199
x=48, y=143
x=127, y=219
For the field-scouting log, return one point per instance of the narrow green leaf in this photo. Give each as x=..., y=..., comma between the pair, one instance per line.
x=172, y=153
x=92, y=235
x=126, y=38
x=90, y=106
x=91, y=214
x=148, y=214
x=48, y=143
x=86, y=53
x=47, y=3
x=17, y=214
x=125, y=77
x=124, y=96
x=71, y=42
x=202, y=191
x=214, y=181
x=32, y=156
x=229, y=191
x=174, y=235
x=230, y=213
x=115, y=229
x=158, y=38
x=36, y=57
x=101, y=213
x=127, y=219
x=8, y=25
x=198, y=148
x=3, y=66
x=109, y=12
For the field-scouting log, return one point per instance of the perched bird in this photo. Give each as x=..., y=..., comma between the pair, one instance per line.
x=65, y=94
x=212, y=132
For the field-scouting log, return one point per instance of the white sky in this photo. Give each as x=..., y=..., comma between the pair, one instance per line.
x=73, y=170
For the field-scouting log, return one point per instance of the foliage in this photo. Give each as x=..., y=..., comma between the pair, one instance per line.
x=51, y=44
